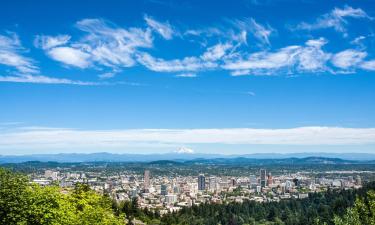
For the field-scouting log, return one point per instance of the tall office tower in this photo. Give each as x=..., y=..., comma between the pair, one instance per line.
x=163, y=189
x=263, y=175
x=212, y=182
x=201, y=182
x=358, y=180
x=147, y=179
x=269, y=180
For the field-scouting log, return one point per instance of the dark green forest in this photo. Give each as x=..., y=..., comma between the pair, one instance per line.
x=319, y=208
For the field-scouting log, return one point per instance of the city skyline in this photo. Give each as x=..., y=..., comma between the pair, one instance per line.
x=159, y=77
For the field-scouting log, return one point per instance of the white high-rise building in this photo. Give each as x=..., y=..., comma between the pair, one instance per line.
x=213, y=184
x=170, y=199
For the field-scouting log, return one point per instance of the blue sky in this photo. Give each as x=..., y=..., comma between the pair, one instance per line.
x=210, y=76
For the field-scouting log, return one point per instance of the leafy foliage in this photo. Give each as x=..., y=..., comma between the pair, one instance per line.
x=22, y=203
x=362, y=213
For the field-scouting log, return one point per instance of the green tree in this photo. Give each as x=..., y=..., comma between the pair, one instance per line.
x=22, y=203
x=363, y=212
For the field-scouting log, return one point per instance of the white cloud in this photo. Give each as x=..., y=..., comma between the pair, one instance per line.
x=164, y=29
x=368, y=65
x=309, y=58
x=358, y=40
x=190, y=75
x=47, y=42
x=348, y=58
x=208, y=60
x=109, y=48
x=175, y=65
x=264, y=60
x=42, y=80
x=336, y=19
x=103, y=45
x=11, y=55
x=106, y=139
x=251, y=93
x=110, y=45
x=70, y=56
x=312, y=58
x=240, y=72
x=260, y=32
x=107, y=75
x=216, y=52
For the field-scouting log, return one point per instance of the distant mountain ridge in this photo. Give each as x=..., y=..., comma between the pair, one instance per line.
x=284, y=161
x=182, y=157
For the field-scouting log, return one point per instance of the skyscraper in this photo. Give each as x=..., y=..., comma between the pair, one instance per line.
x=269, y=180
x=163, y=189
x=201, y=182
x=212, y=182
x=147, y=179
x=263, y=175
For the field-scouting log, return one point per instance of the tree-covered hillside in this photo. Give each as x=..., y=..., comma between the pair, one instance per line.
x=319, y=208
x=23, y=203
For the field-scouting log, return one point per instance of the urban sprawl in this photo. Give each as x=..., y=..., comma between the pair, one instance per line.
x=168, y=194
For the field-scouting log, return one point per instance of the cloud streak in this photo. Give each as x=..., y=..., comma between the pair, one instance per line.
x=336, y=19
x=54, y=138
x=308, y=58
x=39, y=79
x=11, y=54
x=104, y=45
x=164, y=29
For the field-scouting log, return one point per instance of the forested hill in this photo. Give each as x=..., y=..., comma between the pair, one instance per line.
x=181, y=157
x=332, y=207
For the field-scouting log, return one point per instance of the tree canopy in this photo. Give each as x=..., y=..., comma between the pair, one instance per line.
x=23, y=203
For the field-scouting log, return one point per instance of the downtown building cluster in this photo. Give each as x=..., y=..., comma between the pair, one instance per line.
x=168, y=194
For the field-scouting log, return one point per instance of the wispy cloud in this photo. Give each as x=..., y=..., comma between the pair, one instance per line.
x=348, y=58
x=239, y=46
x=164, y=29
x=12, y=55
x=107, y=139
x=262, y=33
x=336, y=19
x=240, y=72
x=259, y=31
x=216, y=52
x=44, y=80
x=368, y=65
x=54, y=47
x=48, y=42
x=104, y=45
x=175, y=65
x=291, y=58
x=189, y=75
